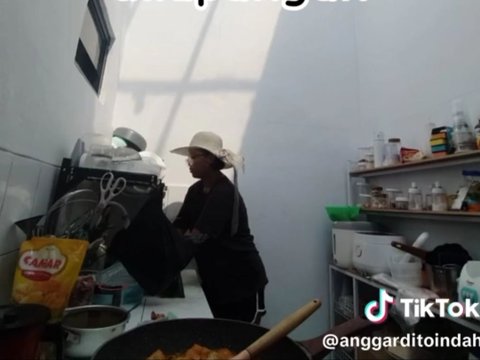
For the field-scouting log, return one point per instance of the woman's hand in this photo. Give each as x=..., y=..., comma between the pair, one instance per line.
x=196, y=236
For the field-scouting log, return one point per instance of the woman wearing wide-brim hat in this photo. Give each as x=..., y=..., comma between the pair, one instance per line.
x=214, y=215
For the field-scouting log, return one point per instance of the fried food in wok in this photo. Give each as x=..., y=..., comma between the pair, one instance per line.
x=196, y=352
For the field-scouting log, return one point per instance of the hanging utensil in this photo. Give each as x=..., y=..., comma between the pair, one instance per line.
x=278, y=331
x=109, y=189
x=422, y=254
x=417, y=243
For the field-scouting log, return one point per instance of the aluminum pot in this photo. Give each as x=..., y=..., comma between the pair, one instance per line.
x=88, y=327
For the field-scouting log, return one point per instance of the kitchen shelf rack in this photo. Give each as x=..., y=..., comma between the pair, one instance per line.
x=426, y=164
x=349, y=282
x=357, y=278
x=460, y=216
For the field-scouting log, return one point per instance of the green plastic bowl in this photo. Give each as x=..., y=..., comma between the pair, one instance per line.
x=343, y=213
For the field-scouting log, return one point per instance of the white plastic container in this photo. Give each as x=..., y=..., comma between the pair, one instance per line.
x=469, y=282
x=372, y=251
x=342, y=240
x=408, y=273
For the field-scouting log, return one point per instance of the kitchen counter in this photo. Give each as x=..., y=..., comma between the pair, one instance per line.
x=193, y=305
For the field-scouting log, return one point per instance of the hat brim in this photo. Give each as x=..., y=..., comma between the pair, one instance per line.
x=184, y=151
x=181, y=150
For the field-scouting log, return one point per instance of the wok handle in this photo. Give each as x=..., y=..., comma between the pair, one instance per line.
x=278, y=331
x=422, y=254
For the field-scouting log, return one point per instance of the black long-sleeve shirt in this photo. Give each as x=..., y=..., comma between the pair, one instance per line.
x=230, y=266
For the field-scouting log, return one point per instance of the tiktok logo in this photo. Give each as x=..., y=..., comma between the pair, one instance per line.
x=380, y=307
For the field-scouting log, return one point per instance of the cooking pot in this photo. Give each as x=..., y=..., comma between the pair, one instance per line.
x=88, y=327
x=21, y=328
x=175, y=336
x=443, y=265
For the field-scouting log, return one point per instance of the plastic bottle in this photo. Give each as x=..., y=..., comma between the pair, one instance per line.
x=439, y=198
x=414, y=198
x=378, y=149
x=462, y=135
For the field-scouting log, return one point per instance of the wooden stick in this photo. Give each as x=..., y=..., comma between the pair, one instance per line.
x=278, y=331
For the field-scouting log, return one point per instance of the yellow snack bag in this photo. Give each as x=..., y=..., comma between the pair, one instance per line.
x=46, y=272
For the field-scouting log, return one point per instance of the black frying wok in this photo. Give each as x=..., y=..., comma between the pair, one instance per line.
x=174, y=336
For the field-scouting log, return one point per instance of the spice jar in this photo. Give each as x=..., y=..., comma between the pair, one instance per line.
x=392, y=152
x=401, y=203
x=428, y=202
x=391, y=196
x=364, y=200
x=378, y=198
x=415, y=201
x=439, y=198
x=361, y=188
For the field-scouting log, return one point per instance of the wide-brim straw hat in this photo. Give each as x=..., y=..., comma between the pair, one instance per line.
x=212, y=143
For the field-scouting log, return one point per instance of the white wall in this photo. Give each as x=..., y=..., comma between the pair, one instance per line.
x=414, y=59
x=45, y=105
x=297, y=93
x=281, y=88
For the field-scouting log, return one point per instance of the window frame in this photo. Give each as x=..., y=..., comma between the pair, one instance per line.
x=94, y=74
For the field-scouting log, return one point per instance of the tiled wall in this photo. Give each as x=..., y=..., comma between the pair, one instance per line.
x=25, y=188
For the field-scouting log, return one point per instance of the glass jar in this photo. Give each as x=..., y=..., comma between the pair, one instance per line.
x=392, y=152
x=427, y=204
x=415, y=201
x=378, y=199
x=361, y=188
x=392, y=194
x=439, y=198
x=401, y=203
x=364, y=200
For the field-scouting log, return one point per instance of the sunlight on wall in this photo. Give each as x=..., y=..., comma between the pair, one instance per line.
x=186, y=70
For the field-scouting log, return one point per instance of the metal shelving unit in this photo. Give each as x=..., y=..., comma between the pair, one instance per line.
x=470, y=324
x=460, y=216
x=363, y=287
x=426, y=164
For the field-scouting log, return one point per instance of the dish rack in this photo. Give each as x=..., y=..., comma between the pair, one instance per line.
x=76, y=194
